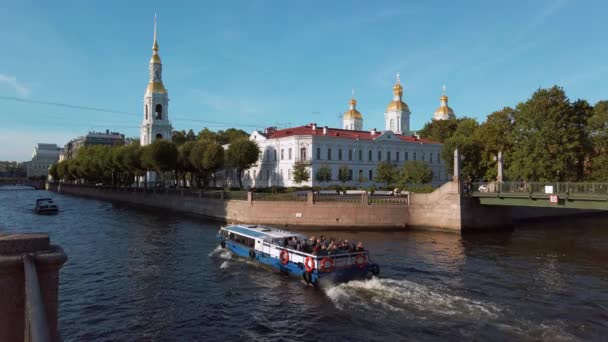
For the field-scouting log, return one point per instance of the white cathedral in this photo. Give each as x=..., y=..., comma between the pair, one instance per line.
x=313, y=145
x=360, y=150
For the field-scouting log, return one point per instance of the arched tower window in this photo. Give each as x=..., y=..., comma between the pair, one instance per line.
x=159, y=112
x=159, y=136
x=146, y=112
x=391, y=125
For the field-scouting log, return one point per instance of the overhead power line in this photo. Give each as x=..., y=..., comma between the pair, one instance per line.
x=113, y=111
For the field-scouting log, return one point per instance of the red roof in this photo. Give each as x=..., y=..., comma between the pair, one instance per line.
x=338, y=133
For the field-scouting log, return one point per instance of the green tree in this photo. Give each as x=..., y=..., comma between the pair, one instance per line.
x=54, y=173
x=438, y=130
x=495, y=135
x=207, y=156
x=162, y=156
x=386, y=173
x=414, y=173
x=183, y=160
x=465, y=139
x=300, y=173
x=547, y=138
x=230, y=135
x=598, y=133
x=241, y=154
x=323, y=174
x=344, y=174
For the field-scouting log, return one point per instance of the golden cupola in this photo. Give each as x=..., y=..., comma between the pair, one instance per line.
x=352, y=112
x=352, y=118
x=397, y=103
x=444, y=112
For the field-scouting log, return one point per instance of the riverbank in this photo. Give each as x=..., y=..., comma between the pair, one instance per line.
x=444, y=209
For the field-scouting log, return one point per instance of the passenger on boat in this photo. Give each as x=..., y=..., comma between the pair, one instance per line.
x=360, y=247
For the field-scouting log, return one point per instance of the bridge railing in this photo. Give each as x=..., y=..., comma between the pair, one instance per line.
x=538, y=187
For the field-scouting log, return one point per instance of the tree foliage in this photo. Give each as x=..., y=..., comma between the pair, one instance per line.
x=323, y=174
x=386, y=173
x=414, y=172
x=300, y=173
x=242, y=153
x=344, y=173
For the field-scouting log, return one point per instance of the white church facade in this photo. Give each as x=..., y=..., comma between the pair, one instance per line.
x=359, y=150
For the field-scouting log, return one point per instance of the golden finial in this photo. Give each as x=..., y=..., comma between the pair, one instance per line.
x=155, y=45
x=398, y=89
x=444, y=97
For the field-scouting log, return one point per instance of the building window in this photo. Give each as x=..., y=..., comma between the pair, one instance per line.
x=392, y=125
x=289, y=153
x=340, y=154
x=275, y=154
x=288, y=174
x=159, y=112
x=405, y=156
x=350, y=154
x=282, y=154
x=397, y=156
x=303, y=154
x=267, y=175
x=159, y=136
x=371, y=175
x=350, y=174
x=423, y=156
x=146, y=112
x=388, y=156
x=360, y=154
x=318, y=153
x=414, y=156
x=431, y=158
x=329, y=154
x=379, y=155
x=370, y=155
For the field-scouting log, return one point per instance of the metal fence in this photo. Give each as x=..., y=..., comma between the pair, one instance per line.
x=381, y=199
x=337, y=198
x=539, y=187
x=279, y=197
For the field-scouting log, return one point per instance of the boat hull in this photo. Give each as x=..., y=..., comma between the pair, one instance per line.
x=337, y=275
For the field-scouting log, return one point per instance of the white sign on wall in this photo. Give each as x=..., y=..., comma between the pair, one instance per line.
x=298, y=215
x=548, y=189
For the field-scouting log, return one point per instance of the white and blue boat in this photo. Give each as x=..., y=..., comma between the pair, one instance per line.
x=269, y=246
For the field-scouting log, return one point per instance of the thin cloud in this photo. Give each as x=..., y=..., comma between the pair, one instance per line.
x=20, y=89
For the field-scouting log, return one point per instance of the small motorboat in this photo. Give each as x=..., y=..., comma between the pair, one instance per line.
x=267, y=246
x=46, y=206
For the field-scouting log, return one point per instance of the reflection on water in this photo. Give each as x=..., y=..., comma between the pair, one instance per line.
x=149, y=275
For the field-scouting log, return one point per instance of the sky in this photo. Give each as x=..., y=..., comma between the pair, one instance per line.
x=253, y=64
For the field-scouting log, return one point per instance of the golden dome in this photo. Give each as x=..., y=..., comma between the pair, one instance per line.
x=156, y=88
x=444, y=97
x=155, y=59
x=444, y=110
x=397, y=105
x=352, y=114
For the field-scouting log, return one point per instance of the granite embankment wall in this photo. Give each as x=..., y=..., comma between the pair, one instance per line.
x=443, y=209
x=281, y=213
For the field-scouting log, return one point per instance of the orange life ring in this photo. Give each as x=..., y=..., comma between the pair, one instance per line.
x=327, y=264
x=360, y=260
x=309, y=264
x=284, y=257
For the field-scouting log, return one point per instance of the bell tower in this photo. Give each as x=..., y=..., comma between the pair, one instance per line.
x=397, y=115
x=156, y=124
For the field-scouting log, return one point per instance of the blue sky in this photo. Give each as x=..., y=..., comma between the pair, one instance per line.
x=252, y=64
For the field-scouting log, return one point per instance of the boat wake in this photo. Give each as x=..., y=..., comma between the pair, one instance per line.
x=221, y=253
x=388, y=296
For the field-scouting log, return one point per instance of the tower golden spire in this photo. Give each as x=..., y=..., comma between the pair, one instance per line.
x=155, y=45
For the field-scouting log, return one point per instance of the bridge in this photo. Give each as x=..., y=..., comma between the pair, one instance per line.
x=542, y=194
x=36, y=184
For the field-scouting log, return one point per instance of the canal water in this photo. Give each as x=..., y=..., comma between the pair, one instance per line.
x=136, y=275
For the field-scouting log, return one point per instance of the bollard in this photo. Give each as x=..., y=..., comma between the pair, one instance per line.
x=46, y=259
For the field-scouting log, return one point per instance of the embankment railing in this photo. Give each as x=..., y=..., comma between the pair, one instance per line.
x=36, y=324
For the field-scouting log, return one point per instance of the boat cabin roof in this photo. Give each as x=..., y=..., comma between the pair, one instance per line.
x=261, y=232
x=44, y=199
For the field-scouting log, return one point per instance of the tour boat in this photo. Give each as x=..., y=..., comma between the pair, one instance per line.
x=46, y=206
x=268, y=246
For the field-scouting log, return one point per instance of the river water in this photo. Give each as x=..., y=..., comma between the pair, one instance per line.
x=137, y=275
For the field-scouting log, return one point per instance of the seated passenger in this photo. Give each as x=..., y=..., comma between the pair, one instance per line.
x=360, y=247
